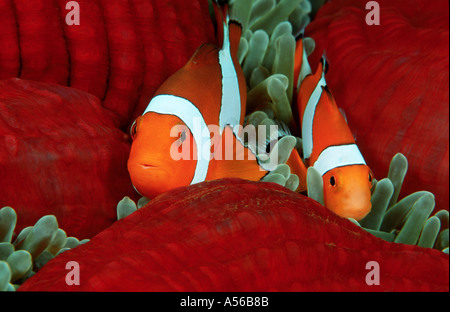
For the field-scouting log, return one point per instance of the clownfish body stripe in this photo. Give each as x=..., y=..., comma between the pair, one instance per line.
x=231, y=113
x=308, y=117
x=190, y=115
x=338, y=156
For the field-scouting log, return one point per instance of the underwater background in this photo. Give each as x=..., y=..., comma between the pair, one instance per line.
x=70, y=93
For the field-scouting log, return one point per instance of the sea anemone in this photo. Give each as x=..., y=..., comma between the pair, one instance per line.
x=23, y=255
x=267, y=50
x=237, y=235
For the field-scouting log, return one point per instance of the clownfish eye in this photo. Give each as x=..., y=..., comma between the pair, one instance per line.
x=133, y=130
x=183, y=136
x=332, y=181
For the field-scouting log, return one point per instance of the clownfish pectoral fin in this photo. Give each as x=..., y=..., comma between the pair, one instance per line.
x=298, y=168
x=232, y=159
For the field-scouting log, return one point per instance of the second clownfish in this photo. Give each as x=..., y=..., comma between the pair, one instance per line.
x=328, y=144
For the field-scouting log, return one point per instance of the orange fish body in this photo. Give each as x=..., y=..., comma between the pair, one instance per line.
x=209, y=90
x=328, y=144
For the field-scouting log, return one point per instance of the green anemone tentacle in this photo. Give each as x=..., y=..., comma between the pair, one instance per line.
x=24, y=255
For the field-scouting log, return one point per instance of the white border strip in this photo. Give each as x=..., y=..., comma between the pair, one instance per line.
x=338, y=156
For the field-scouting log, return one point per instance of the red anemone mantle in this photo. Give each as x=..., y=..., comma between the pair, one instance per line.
x=235, y=235
x=121, y=51
x=60, y=154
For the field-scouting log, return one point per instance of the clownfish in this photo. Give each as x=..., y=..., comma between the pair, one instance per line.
x=328, y=144
x=209, y=90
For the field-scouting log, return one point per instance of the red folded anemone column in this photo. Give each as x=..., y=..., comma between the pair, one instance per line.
x=121, y=51
x=60, y=154
x=236, y=235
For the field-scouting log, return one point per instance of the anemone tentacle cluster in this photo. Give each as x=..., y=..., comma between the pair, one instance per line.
x=23, y=255
x=406, y=221
x=266, y=54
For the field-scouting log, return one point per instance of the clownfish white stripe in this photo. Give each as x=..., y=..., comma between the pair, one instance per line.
x=308, y=117
x=192, y=117
x=338, y=156
x=230, y=110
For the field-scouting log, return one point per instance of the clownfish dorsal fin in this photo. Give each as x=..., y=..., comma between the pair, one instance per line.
x=324, y=62
x=304, y=69
x=230, y=34
x=235, y=33
x=205, y=54
x=229, y=31
x=343, y=114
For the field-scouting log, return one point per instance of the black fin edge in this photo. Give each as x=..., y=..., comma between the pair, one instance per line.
x=300, y=35
x=221, y=2
x=325, y=64
x=235, y=22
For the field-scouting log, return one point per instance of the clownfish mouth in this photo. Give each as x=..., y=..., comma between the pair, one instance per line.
x=147, y=166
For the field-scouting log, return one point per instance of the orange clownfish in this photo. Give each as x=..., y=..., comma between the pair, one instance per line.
x=328, y=144
x=209, y=90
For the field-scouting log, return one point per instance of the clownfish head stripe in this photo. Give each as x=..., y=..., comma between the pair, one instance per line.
x=189, y=114
x=338, y=156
